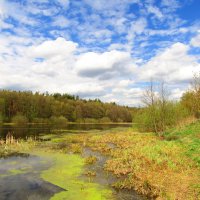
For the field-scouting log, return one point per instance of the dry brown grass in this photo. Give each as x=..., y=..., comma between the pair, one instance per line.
x=156, y=168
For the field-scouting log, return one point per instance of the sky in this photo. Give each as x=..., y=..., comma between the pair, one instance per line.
x=106, y=49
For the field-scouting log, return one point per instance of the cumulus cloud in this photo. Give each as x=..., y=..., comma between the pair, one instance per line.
x=174, y=64
x=59, y=48
x=99, y=64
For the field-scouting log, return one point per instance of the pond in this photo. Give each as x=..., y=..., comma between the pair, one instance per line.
x=20, y=178
x=44, y=173
x=38, y=129
x=44, y=176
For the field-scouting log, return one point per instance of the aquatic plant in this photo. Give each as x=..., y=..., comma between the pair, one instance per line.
x=76, y=148
x=90, y=160
x=90, y=173
x=66, y=172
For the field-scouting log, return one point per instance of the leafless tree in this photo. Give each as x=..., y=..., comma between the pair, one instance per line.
x=149, y=96
x=149, y=99
x=196, y=93
x=156, y=101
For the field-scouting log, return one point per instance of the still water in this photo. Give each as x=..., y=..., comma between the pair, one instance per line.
x=20, y=174
x=36, y=130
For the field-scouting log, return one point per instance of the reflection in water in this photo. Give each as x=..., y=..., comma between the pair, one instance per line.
x=19, y=179
x=35, y=130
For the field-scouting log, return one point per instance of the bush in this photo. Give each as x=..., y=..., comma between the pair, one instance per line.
x=40, y=121
x=61, y=121
x=90, y=120
x=105, y=120
x=159, y=119
x=80, y=120
x=19, y=119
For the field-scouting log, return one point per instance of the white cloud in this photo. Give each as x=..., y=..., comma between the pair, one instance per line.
x=171, y=4
x=56, y=73
x=4, y=25
x=3, y=8
x=64, y=3
x=101, y=64
x=174, y=64
x=155, y=10
x=59, y=48
x=137, y=27
x=104, y=4
x=195, y=41
x=175, y=94
x=61, y=21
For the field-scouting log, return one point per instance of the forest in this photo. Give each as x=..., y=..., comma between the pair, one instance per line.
x=26, y=106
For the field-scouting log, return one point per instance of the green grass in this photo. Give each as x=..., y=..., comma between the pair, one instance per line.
x=189, y=138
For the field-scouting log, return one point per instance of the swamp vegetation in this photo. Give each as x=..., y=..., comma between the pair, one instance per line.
x=154, y=167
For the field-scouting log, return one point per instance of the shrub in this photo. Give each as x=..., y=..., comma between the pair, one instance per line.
x=19, y=119
x=80, y=120
x=158, y=120
x=90, y=120
x=40, y=121
x=105, y=120
x=58, y=120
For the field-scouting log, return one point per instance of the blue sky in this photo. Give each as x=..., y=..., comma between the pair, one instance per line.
x=99, y=48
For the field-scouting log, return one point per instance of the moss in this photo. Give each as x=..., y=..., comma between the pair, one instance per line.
x=16, y=171
x=66, y=172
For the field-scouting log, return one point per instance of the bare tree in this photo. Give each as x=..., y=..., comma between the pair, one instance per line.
x=196, y=94
x=156, y=102
x=149, y=99
x=196, y=83
x=163, y=104
x=149, y=96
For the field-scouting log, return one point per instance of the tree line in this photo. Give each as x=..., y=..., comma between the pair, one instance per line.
x=26, y=106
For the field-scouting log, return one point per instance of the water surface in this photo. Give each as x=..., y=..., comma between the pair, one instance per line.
x=20, y=178
x=38, y=129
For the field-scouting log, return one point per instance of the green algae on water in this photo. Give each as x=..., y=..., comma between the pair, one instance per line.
x=66, y=173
